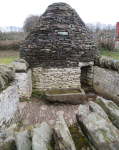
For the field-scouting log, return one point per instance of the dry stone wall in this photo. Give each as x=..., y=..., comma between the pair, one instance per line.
x=24, y=83
x=106, y=82
x=9, y=101
x=23, y=77
x=55, y=78
x=59, y=39
x=87, y=75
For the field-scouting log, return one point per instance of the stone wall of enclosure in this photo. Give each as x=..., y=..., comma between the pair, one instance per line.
x=55, y=78
x=9, y=101
x=59, y=39
x=23, y=77
x=106, y=82
x=87, y=75
x=24, y=83
x=103, y=81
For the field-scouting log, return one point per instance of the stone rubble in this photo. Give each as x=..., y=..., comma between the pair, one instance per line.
x=111, y=109
x=23, y=140
x=62, y=135
x=96, y=126
x=7, y=75
x=19, y=65
x=42, y=137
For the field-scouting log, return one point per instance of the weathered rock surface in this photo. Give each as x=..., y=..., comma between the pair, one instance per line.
x=11, y=130
x=8, y=144
x=106, y=82
x=62, y=135
x=42, y=137
x=97, y=127
x=93, y=107
x=20, y=65
x=23, y=140
x=111, y=109
x=9, y=112
x=7, y=74
x=109, y=63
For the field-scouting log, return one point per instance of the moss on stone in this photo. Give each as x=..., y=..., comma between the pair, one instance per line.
x=63, y=91
x=28, y=128
x=1, y=89
x=79, y=140
x=110, y=104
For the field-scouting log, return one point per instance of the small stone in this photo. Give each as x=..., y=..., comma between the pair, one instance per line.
x=61, y=111
x=44, y=107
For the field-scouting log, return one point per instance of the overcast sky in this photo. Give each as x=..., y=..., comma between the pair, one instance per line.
x=14, y=12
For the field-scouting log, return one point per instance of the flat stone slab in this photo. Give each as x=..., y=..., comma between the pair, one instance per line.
x=71, y=96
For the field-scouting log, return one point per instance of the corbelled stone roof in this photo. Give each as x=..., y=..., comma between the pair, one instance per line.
x=59, y=39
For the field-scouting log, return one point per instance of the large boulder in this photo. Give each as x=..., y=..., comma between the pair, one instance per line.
x=62, y=135
x=111, y=109
x=42, y=137
x=23, y=140
x=7, y=74
x=20, y=65
x=97, y=127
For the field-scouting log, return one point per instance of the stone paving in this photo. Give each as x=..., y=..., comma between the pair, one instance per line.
x=37, y=111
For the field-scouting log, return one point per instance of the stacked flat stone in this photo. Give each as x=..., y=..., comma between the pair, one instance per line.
x=106, y=62
x=59, y=39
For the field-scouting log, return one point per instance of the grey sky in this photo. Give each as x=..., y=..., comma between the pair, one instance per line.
x=14, y=12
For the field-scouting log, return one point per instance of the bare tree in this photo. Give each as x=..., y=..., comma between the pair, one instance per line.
x=30, y=22
x=97, y=27
x=91, y=27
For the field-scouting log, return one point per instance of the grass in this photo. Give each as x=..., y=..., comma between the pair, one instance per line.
x=1, y=89
x=25, y=99
x=6, y=57
x=20, y=123
x=35, y=93
x=113, y=54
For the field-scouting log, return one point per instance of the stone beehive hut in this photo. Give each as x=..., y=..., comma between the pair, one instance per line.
x=59, y=40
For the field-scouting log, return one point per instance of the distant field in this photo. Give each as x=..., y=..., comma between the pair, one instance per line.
x=7, y=56
x=114, y=54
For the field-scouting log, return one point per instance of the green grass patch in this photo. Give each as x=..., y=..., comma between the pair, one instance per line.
x=113, y=54
x=7, y=56
x=36, y=93
x=8, y=60
x=20, y=123
x=1, y=89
